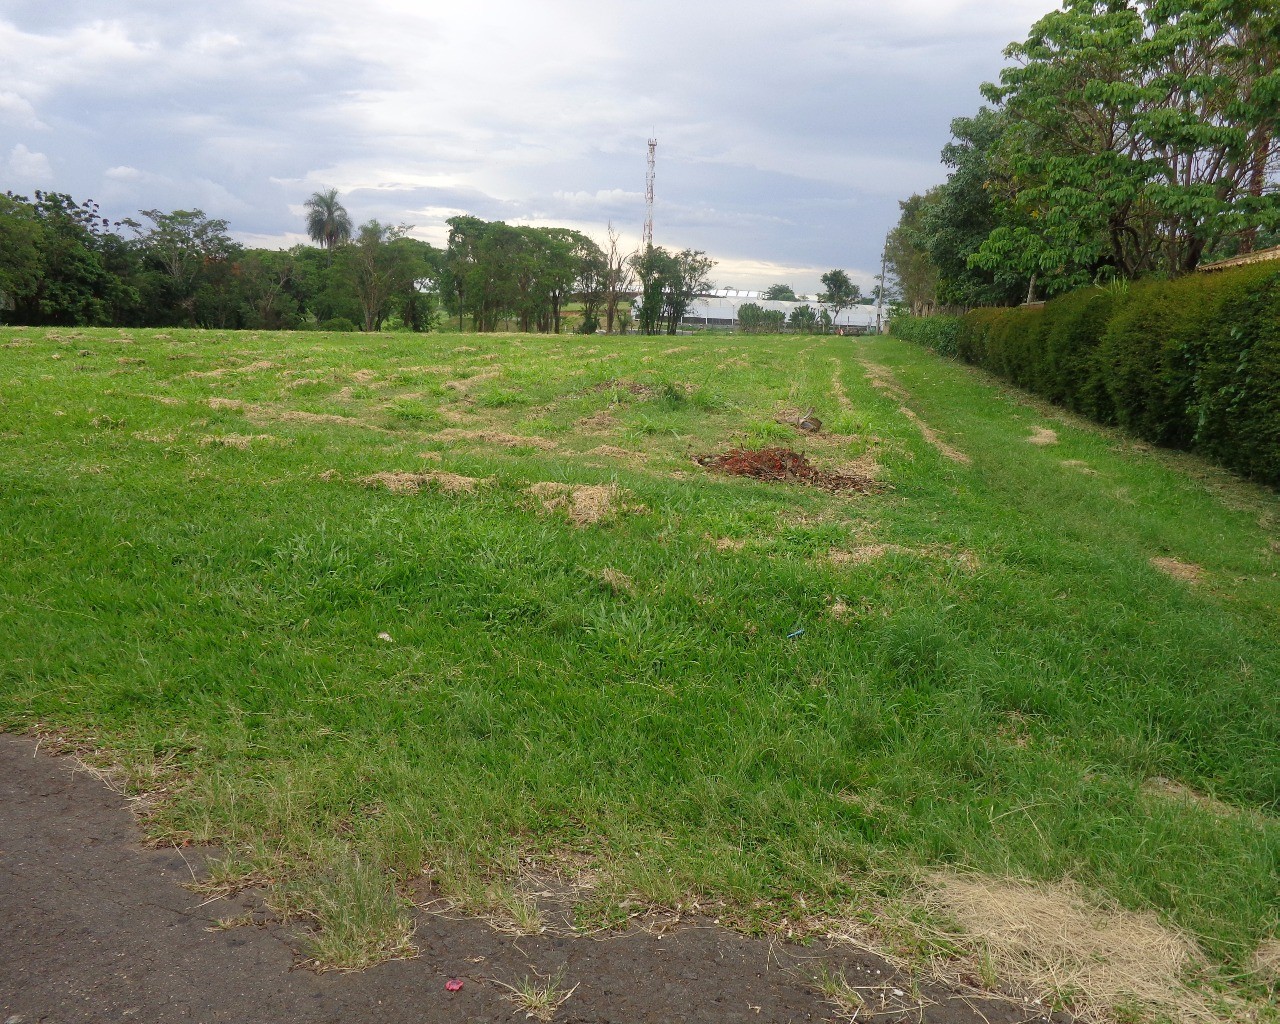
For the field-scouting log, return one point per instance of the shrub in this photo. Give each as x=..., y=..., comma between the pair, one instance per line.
x=936, y=332
x=1190, y=363
x=340, y=324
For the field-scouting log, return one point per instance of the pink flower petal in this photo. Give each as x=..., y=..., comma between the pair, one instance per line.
x=453, y=984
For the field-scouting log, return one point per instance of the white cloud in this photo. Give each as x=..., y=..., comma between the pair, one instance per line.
x=28, y=169
x=786, y=135
x=19, y=112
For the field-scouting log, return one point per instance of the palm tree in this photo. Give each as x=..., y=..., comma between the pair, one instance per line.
x=327, y=221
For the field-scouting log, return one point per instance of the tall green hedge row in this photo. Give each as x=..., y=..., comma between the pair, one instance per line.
x=1192, y=363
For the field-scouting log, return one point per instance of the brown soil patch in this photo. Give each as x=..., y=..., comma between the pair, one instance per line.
x=598, y=422
x=1079, y=467
x=585, y=503
x=782, y=465
x=1053, y=939
x=412, y=483
x=1043, y=436
x=1188, y=572
x=498, y=438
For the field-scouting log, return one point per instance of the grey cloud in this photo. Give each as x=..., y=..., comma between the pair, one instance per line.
x=786, y=134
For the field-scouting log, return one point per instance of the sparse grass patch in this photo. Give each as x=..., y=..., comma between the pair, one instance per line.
x=537, y=997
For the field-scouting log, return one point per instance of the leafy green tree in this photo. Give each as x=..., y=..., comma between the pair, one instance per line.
x=619, y=279
x=21, y=261
x=962, y=215
x=188, y=252
x=669, y=282
x=780, y=293
x=380, y=263
x=1139, y=137
x=841, y=293
x=328, y=223
x=910, y=266
x=86, y=273
x=803, y=319
x=752, y=318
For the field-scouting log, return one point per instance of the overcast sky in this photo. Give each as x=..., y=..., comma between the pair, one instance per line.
x=787, y=132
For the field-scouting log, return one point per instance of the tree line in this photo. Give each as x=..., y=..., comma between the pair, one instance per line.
x=63, y=263
x=1126, y=139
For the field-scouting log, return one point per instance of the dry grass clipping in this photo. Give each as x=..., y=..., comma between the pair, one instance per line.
x=412, y=483
x=931, y=435
x=864, y=554
x=239, y=441
x=1266, y=961
x=1052, y=940
x=585, y=503
x=618, y=582
x=1188, y=572
x=498, y=438
x=1043, y=436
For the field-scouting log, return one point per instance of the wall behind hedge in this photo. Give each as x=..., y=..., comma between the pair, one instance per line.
x=1192, y=363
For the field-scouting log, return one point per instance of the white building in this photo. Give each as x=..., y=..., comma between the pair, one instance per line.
x=720, y=309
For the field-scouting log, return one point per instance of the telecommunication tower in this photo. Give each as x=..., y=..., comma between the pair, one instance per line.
x=648, y=194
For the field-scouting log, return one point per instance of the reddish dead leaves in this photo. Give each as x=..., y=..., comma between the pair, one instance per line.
x=784, y=465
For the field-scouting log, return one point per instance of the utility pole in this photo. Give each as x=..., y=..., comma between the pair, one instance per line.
x=648, y=195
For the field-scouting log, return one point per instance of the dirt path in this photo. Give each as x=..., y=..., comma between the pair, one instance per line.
x=93, y=927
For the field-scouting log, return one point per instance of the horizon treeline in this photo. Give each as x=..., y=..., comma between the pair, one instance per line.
x=63, y=263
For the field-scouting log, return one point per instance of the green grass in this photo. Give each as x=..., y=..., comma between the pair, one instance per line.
x=181, y=585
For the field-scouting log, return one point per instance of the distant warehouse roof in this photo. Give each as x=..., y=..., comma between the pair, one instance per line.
x=1261, y=256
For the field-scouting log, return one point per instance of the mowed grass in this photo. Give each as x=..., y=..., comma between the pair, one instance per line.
x=784, y=703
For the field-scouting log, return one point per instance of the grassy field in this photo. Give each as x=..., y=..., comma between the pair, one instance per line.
x=393, y=607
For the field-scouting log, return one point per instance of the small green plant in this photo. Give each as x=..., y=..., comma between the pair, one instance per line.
x=539, y=997
x=835, y=988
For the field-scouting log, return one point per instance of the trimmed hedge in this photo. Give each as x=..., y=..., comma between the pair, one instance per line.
x=1192, y=363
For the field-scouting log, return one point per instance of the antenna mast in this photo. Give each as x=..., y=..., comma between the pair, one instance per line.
x=648, y=195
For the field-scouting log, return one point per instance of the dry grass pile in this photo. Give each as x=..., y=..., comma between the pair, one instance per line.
x=585, y=503
x=1054, y=941
x=1042, y=436
x=412, y=483
x=1188, y=572
x=498, y=438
